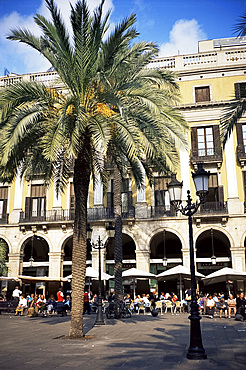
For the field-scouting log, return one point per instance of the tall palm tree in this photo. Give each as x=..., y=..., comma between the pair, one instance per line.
x=111, y=106
x=237, y=108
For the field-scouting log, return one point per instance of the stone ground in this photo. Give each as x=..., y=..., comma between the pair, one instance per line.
x=139, y=342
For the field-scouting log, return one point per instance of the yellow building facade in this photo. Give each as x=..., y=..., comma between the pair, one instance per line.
x=34, y=222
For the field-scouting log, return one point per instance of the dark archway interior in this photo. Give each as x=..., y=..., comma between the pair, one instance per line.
x=173, y=246
x=38, y=248
x=68, y=248
x=4, y=250
x=128, y=248
x=220, y=241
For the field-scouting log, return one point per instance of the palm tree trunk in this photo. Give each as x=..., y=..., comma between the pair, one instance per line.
x=118, y=236
x=82, y=173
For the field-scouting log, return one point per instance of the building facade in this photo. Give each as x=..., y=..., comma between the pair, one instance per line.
x=35, y=223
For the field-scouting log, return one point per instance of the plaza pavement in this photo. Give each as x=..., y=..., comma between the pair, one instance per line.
x=142, y=342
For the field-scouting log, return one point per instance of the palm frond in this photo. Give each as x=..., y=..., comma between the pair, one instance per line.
x=232, y=114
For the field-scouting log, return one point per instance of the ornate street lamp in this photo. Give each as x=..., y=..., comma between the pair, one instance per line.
x=99, y=245
x=213, y=258
x=200, y=177
x=164, y=245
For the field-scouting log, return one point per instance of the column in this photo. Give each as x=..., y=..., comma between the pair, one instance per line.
x=55, y=259
x=15, y=264
x=233, y=202
x=143, y=260
x=15, y=214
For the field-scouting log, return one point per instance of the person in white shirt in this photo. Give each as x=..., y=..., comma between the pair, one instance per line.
x=21, y=306
x=210, y=306
x=16, y=294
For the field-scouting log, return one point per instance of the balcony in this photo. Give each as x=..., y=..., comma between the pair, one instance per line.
x=160, y=211
x=4, y=219
x=213, y=208
x=61, y=215
x=216, y=158
x=241, y=155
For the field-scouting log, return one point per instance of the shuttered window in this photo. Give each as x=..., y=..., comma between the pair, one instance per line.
x=161, y=192
x=240, y=90
x=202, y=94
x=3, y=201
x=244, y=137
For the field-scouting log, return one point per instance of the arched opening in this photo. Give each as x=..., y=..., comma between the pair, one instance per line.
x=67, y=258
x=36, y=257
x=165, y=244
x=213, y=242
x=128, y=259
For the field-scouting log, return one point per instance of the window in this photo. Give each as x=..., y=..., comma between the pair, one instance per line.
x=3, y=201
x=205, y=141
x=240, y=90
x=206, y=145
x=161, y=192
x=244, y=137
x=202, y=94
x=35, y=205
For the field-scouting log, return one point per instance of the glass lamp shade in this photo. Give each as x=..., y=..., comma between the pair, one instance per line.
x=110, y=230
x=200, y=178
x=175, y=189
x=164, y=261
x=31, y=260
x=88, y=232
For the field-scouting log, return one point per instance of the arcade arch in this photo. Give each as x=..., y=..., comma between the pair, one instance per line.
x=37, y=248
x=67, y=256
x=212, y=241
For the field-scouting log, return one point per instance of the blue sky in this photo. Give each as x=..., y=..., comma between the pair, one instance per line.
x=175, y=25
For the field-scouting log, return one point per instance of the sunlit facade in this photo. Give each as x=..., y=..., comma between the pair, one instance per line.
x=33, y=222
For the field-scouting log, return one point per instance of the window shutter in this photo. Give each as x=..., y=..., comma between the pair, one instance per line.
x=4, y=192
x=221, y=194
x=237, y=90
x=202, y=94
x=194, y=141
x=129, y=198
x=5, y=206
x=239, y=130
x=27, y=207
x=244, y=184
x=217, y=144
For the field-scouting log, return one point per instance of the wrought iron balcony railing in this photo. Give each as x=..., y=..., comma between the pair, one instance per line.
x=4, y=218
x=213, y=207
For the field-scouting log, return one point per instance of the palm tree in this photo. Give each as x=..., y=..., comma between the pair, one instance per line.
x=111, y=106
x=237, y=108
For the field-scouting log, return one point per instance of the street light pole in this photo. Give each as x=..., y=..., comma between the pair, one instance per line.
x=99, y=319
x=164, y=252
x=200, y=177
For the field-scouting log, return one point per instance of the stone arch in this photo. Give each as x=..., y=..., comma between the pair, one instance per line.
x=218, y=228
x=37, y=246
x=204, y=252
x=173, y=245
x=128, y=248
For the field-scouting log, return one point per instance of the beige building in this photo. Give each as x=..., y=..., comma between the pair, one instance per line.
x=34, y=223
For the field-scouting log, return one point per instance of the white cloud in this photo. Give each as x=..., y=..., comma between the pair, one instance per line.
x=20, y=58
x=183, y=38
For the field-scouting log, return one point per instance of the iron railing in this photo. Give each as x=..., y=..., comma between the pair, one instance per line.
x=213, y=207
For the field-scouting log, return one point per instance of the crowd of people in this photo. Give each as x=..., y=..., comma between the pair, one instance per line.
x=36, y=304
x=208, y=304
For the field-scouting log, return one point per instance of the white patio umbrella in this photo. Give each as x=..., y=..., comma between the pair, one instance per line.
x=179, y=273
x=134, y=273
x=93, y=274
x=224, y=274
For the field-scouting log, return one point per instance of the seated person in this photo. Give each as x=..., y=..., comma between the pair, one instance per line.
x=94, y=303
x=21, y=305
x=41, y=303
x=231, y=304
x=52, y=305
x=222, y=306
x=33, y=309
x=210, y=306
x=67, y=303
x=241, y=302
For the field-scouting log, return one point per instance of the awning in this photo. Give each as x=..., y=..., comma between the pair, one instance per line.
x=41, y=278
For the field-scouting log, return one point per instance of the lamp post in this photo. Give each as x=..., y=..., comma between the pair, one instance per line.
x=200, y=177
x=99, y=246
x=31, y=259
x=164, y=245
x=213, y=258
